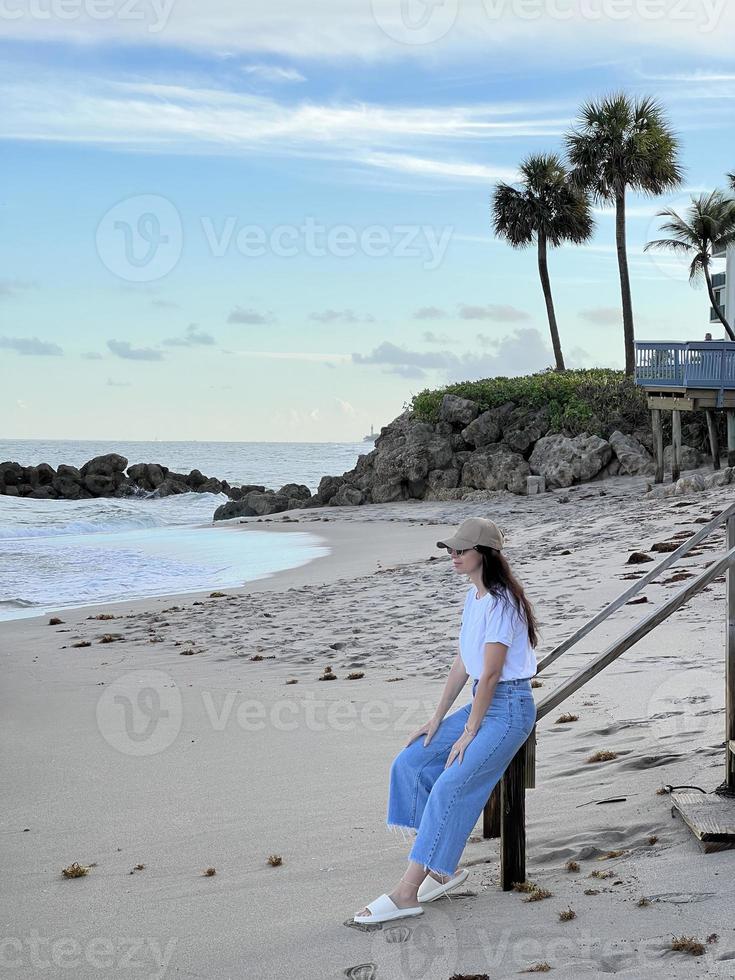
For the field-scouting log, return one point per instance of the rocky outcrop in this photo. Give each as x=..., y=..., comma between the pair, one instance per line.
x=259, y=501
x=467, y=454
x=107, y=476
x=563, y=461
x=693, y=483
x=632, y=455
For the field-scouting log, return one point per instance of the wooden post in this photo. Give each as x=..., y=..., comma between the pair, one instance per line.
x=730, y=668
x=714, y=443
x=491, y=814
x=675, y=445
x=730, y=437
x=658, y=443
x=513, y=822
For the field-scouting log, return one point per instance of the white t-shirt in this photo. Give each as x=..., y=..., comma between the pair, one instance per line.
x=491, y=620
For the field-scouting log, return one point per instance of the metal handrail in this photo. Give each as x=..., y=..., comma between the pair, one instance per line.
x=634, y=634
x=669, y=560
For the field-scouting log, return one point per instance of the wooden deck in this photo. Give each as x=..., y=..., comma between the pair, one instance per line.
x=711, y=817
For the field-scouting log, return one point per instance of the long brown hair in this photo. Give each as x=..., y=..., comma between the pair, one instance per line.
x=497, y=576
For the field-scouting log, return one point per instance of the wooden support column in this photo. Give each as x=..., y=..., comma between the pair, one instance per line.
x=658, y=443
x=730, y=437
x=714, y=443
x=513, y=822
x=491, y=814
x=675, y=445
x=730, y=668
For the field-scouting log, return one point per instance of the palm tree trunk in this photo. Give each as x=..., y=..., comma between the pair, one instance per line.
x=628, y=332
x=543, y=271
x=715, y=304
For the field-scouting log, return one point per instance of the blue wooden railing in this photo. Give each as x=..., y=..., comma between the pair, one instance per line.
x=690, y=364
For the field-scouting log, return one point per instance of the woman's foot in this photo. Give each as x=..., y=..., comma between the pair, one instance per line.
x=442, y=879
x=404, y=898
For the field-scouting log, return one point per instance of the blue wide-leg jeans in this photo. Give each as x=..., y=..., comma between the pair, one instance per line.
x=443, y=805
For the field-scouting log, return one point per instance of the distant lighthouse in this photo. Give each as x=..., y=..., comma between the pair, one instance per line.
x=372, y=437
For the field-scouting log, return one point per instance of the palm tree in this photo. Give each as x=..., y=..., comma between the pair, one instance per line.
x=708, y=227
x=624, y=143
x=548, y=209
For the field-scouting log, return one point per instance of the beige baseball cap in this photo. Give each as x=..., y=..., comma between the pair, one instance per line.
x=474, y=531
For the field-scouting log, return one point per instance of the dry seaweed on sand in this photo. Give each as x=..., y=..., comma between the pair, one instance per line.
x=76, y=870
x=687, y=944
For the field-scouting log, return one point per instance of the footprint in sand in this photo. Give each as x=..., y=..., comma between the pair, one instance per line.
x=365, y=971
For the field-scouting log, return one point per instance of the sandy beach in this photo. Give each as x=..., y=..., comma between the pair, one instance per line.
x=167, y=740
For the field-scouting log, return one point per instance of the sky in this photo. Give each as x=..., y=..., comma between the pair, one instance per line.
x=271, y=220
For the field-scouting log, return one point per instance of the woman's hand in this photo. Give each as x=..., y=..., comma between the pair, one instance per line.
x=428, y=729
x=457, y=750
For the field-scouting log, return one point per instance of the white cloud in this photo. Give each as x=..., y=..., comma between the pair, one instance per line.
x=345, y=408
x=462, y=170
x=386, y=29
x=149, y=116
x=274, y=73
x=521, y=352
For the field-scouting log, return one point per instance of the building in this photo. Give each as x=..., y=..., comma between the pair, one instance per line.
x=724, y=287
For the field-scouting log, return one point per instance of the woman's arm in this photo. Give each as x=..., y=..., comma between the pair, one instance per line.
x=456, y=680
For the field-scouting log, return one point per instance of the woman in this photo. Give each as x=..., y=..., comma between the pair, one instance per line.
x=440, y=785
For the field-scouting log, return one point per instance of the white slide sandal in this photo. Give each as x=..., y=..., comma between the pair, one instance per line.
x=431, y=889
x=384, y=909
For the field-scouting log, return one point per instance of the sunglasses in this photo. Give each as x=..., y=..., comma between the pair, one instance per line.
x=459, y=551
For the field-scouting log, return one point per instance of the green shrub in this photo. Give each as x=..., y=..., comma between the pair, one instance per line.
x=594, y=400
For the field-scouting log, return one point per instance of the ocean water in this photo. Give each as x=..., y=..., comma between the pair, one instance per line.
x=56, y=554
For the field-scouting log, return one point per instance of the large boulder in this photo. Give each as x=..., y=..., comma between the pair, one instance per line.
x=459, y=412
x=347, y=496
x=298, y=490
x=171, y=486
x=562, y=460
x=266, y=503
x=495, y=468
x=108, y=464
x=104, y=476
x=147, y=476
x=10, y=474
x=233, y=508
x=488, y=427
x=632, y=455
x=68, y=482
x=524, y=427
x=691, y=458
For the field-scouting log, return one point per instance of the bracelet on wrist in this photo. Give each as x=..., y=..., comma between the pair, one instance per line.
x=469, y=730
